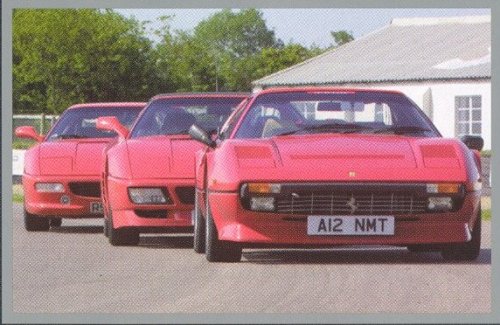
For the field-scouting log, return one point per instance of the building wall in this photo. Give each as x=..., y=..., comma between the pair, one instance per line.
x=443, y=101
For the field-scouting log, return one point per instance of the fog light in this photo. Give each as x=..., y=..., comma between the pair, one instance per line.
x=147, y=195
x=440, y=203
x=49, y=187
x=262, y=203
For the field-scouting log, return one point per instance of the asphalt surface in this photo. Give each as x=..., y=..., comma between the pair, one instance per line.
x=74, y=269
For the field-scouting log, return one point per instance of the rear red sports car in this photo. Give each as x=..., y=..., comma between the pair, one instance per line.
x=148, y=175
x=323, y=167
x=61, y=176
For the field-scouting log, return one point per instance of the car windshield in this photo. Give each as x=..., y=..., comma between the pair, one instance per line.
x=79, y=123
x=167, y=116
x=283, y=114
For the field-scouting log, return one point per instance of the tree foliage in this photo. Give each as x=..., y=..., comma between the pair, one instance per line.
x=66, y=56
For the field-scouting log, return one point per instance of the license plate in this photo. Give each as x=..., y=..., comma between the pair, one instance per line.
x=350, y=225
x=96, y=207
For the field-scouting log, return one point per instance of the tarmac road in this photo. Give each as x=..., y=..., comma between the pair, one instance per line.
x=75, y=270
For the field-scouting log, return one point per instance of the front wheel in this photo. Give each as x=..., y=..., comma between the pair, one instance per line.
x=199, y=228
x=218, y=250
x=55, y=222
x=465, y=251
x=122, y=237
x=33, y=222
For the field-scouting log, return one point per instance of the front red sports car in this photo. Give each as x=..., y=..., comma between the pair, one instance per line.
x=148, y=179
x=324, y=167
x=61, y=176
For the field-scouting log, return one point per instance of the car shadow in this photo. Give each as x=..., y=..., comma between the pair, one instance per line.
x=354, y=256
x=166, y=241
x=78, y=229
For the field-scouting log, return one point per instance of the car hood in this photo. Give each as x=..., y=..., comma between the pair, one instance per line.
x=162, y=156
x=72, y=157
x=353, y=157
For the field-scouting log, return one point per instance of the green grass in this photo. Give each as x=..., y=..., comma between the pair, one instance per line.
x=22, y=144
x=486, y=214
x=17, y=198
x=486, y=153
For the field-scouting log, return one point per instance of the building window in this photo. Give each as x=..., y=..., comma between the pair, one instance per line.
x=467, y=115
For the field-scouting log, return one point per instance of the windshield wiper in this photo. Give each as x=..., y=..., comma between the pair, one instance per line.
x=402, y=129
x=68, y=136
x=344, y=127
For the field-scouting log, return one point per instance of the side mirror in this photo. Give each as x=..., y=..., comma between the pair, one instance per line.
x=473, y=142
x=200, y=135
x=111, y=123
x=29, y=133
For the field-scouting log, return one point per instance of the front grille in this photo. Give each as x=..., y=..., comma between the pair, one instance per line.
x=352, y=199
x=185, y=194
x=351, y=203
x=90, y=189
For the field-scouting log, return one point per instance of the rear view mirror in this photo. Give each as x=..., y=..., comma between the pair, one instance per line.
x=473, y=142
x=28, y=132
x=111, y=123
x=200, y=135
x=329, y=107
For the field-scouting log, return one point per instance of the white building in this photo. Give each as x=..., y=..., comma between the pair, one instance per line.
x=442, y=64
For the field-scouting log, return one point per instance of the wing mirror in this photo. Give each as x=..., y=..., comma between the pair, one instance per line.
x=200, y=135
x=473, y=142
x=28, y=132
x=111, y=123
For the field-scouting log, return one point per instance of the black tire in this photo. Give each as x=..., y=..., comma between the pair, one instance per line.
x=218, y=250
x=33, y=222
x=423, y=248
x=106, y=227
x=55, y=222
x=199, y=228
x=468, y=251
x=122, y=237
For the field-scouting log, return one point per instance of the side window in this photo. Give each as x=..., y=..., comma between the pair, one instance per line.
x=232, y=120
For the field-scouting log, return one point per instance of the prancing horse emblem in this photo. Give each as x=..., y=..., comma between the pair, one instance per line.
x=352, y=204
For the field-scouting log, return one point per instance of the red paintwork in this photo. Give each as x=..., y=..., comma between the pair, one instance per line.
x=329, y=158
x=65, y=161
x=154, y=161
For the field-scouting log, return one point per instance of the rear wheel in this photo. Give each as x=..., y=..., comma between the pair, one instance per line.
x=465, y=251
x=55, y=222
x=33, y=222
x=122, y=237
x=218, y=250
x=199, y=228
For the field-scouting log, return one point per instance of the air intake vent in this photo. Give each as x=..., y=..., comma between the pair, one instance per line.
x=185, y=194
x=89, y=189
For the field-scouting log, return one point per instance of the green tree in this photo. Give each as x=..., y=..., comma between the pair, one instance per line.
x=342, y=37
x=67, y=56
x=275, y=59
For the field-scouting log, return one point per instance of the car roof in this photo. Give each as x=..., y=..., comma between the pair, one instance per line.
x=202, y=95
x=109, y=105
x=278, y=90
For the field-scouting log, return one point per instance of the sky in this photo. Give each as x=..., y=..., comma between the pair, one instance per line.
x=304, y=26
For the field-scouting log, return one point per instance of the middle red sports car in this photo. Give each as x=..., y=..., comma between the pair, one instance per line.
x=148, y=175
x=325, y=167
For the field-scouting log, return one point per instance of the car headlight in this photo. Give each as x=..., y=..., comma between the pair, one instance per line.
x=259, y=196
x=440, y=203
x=444, y=188
x=148, y=195
x=49, y=187
x=262, y=203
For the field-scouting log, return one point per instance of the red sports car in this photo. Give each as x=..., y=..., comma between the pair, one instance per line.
x=148, y=179
x=323, y=167
x=62, y=173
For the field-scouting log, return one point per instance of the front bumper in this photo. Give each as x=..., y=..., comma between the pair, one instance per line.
x=236, y=224
x=49, y=204
x=166, y=216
